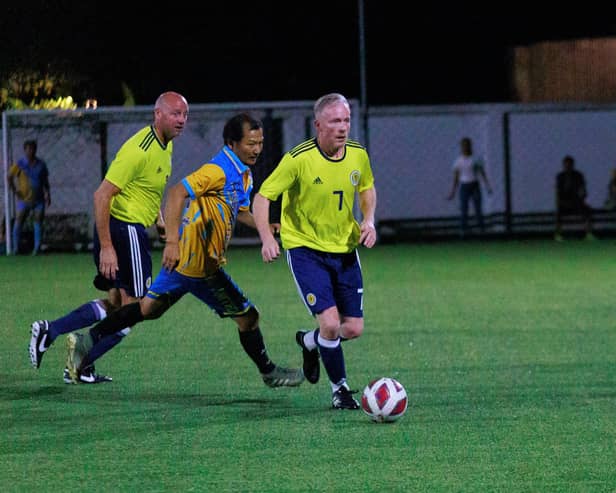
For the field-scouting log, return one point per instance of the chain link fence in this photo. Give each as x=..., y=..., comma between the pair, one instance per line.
x=522, y=145
x=412, y=151
x=79, y=145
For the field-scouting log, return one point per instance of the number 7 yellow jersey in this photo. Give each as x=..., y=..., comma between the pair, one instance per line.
x=318, y=196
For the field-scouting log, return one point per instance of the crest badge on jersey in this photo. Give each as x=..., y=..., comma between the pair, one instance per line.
x=311, y=299
x=355, y=175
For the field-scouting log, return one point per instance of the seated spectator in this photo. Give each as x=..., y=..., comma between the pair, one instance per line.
x=571, y=198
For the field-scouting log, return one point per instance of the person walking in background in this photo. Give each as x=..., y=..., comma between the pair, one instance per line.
x=468, y=170
x=198, y=236
x=29, y=180
x=318, y=180
x=571, y=198
x=126, y=203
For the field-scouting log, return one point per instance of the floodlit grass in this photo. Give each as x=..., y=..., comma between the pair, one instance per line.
x=507, y=351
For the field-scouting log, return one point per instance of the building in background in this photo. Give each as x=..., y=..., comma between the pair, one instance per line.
x=577, y=70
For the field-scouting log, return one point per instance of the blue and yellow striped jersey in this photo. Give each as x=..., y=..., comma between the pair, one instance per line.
x=218, y=191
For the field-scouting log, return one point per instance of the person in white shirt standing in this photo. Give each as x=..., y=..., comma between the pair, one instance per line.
x=468, y=170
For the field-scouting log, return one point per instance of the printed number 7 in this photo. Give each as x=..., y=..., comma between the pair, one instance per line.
x=338, y=192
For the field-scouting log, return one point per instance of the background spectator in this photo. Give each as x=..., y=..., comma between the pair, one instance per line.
x=571, y=197
x=29, y=180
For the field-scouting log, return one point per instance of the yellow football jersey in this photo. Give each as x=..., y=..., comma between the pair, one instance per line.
x=140, y=170
x=318, y=196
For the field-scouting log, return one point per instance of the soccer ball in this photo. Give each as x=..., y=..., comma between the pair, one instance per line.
x=384, y=400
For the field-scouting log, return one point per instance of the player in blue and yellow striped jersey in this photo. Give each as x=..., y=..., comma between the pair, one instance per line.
x=198, y=235
x=126, y=203
x=318, y=180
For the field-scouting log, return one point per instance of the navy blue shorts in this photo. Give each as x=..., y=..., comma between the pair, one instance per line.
x=218, y=291
x=328, y=279
x=132, y=247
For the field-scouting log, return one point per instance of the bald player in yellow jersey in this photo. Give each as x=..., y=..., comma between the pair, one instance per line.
x=198, y=235
x=318, y=180
x=126, y=203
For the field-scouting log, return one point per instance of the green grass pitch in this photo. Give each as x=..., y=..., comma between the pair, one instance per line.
x=507, y=351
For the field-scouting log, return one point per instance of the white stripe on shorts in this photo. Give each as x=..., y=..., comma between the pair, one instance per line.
x=135, y=257
x=299, y=290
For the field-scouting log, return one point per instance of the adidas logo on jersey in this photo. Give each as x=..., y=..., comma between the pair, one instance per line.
x=317, y=181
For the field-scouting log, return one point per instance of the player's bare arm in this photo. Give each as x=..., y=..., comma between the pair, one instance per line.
x=176, y=198
x=270, y=250
x=367, y=204
x=247, y=219
x=108, y=260
x=160, y=226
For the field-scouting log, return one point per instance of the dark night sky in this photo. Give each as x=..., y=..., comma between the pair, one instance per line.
x=271, y=50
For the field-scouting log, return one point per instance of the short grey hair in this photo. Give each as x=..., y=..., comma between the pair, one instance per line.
x=328, y=99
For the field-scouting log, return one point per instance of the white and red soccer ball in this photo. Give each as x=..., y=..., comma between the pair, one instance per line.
x=384, y=400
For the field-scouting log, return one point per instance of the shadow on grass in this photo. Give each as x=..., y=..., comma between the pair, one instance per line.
x=122, y=401
x=11, y=393
x=89, y=413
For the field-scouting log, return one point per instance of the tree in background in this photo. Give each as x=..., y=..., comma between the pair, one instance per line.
x=34, y=89
x=37, y=90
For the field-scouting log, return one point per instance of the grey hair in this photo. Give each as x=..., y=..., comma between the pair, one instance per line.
x=328, y=99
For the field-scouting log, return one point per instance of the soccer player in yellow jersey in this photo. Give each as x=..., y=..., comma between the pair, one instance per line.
x=198, y=235
x=318, y=180
x=126, y=203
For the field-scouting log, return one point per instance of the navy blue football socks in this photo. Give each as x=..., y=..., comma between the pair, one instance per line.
x=84, y=316
x=333, y=359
